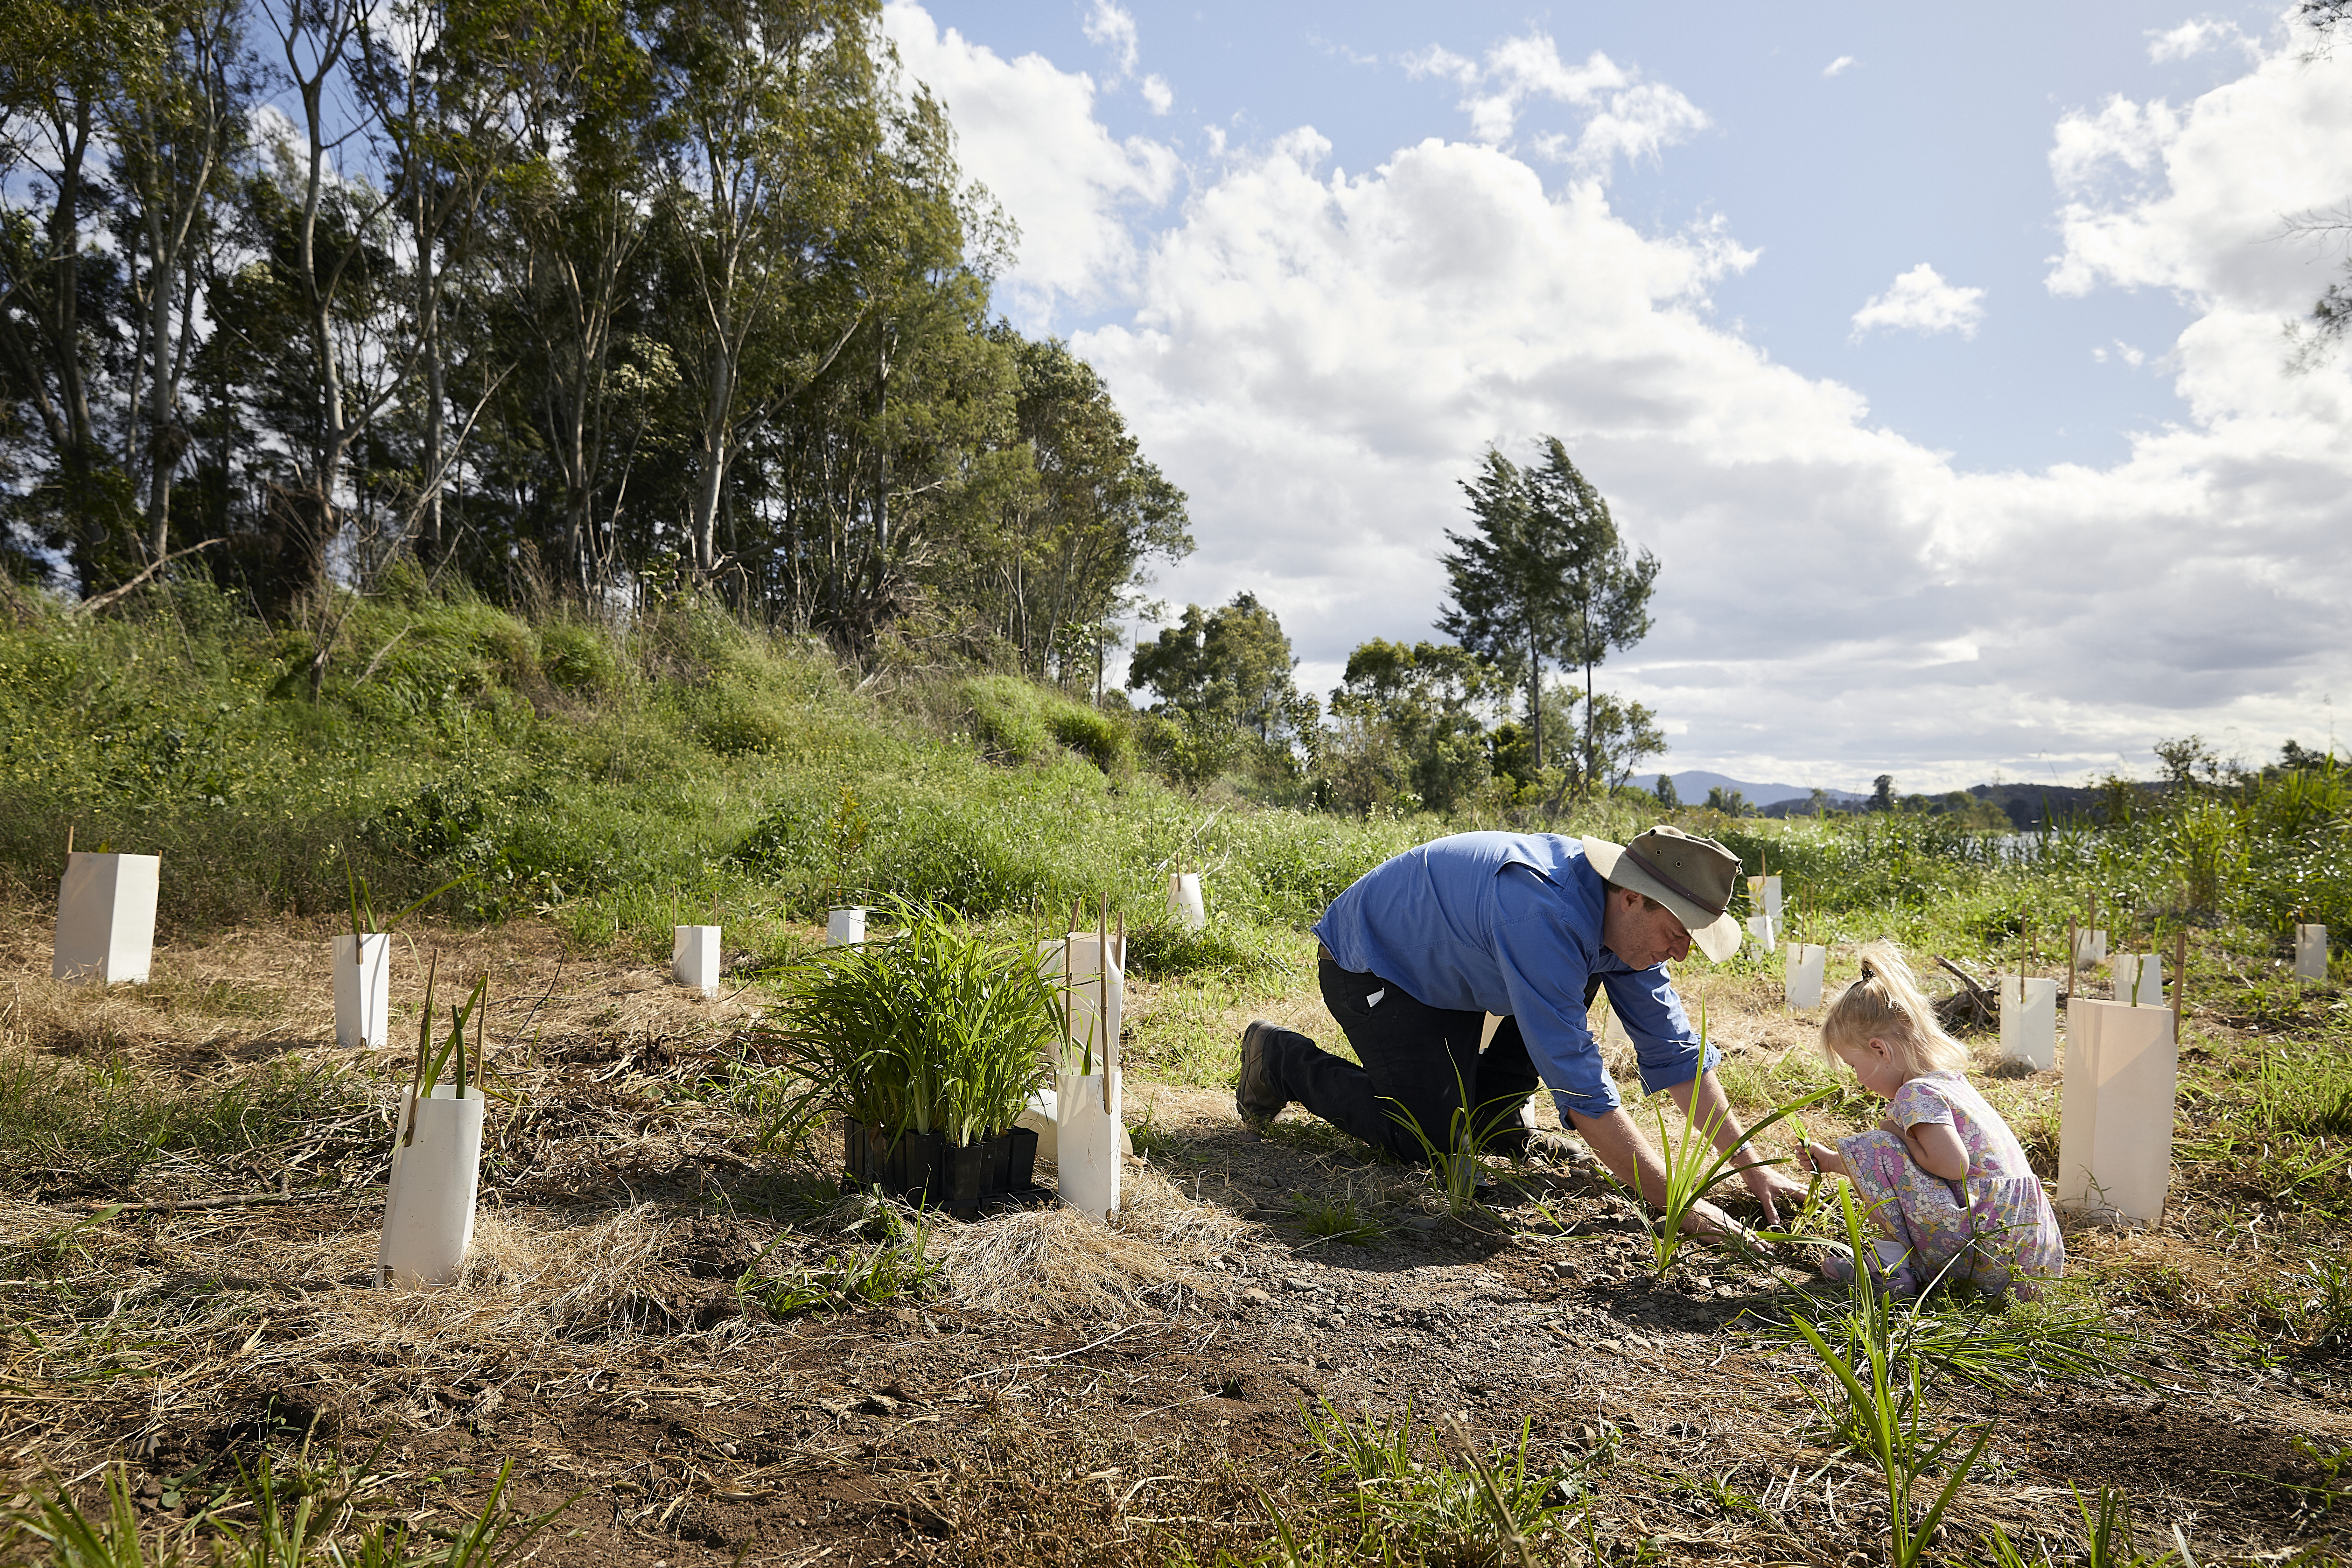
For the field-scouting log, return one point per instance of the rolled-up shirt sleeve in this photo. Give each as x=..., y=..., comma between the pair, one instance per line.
x=1664, y=1044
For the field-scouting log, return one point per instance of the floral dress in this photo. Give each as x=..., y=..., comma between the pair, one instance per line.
x=1996, y=1230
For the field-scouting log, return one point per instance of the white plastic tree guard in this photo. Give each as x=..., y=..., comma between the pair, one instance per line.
x=2028, y=1021
x=1089, y=1132
x=2310, y=952
x=1801, y=975
x=428, y=1212
x=2139, y=978
x=1764, y=931
x=1184, y=904
x=2090, y=947
x=363, y=990
x=1764, y=892
x=694, y=958
x=105, y=918
x=2115, y=1124
x=845, y=927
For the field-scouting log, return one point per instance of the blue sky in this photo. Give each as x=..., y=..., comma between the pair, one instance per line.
x=2052, y=497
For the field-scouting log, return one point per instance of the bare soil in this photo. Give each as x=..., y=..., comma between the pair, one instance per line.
x=601, y=1345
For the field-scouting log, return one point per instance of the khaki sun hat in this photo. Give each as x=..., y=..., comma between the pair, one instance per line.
x=1691, y=876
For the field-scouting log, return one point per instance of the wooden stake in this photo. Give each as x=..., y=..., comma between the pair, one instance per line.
x=69, y=832
x=1102, y=1009
x=2180, y=980
x=2073, y=953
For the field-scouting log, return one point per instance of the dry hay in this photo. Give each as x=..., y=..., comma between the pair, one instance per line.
x=1055, y=1264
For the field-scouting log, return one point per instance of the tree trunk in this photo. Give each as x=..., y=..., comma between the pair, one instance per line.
x=1535, y=696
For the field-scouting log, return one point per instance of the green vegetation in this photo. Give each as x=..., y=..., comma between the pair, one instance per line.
x=289, y=1510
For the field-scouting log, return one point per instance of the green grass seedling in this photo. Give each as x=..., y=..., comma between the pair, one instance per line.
x=1460, y=1160
x=1694, y=1167
x=1881, y=1418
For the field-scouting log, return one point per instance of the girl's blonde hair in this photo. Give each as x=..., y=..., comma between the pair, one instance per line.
x=1886, y=1003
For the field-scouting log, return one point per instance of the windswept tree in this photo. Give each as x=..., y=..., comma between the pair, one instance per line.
x=1542, y=578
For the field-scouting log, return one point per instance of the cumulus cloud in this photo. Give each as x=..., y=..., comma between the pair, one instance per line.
x=1840, y=65
x=1320, y=358
x=2192, y=39
x=1159, y=94
x=1921, y=301
x=1628, y=117
x=1028, y=132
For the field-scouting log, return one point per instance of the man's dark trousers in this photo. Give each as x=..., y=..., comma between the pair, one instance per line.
x=1419, y=1062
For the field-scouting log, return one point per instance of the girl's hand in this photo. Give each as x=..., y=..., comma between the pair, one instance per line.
x=1821, y=1159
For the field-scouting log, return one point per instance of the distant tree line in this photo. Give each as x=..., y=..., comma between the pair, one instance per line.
x=564, y=296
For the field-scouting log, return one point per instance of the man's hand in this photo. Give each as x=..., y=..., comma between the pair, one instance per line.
x=1772, y=1185
x=1708, y=1223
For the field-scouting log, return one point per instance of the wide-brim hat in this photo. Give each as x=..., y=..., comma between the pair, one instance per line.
x=1691, y=876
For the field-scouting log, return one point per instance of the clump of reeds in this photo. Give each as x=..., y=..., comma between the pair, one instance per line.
x=941, y=1028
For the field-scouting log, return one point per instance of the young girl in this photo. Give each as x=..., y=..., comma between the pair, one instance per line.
x=1944, y=1181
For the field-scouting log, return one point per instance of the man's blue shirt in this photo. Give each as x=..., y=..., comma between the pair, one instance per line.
x=1509, y=923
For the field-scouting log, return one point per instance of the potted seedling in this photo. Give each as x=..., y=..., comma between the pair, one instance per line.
x=363, y=964
x=992, y=1021
x=437, y=1153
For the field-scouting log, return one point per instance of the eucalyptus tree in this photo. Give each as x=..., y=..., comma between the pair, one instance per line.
x=1075, y=539
x=1508, y=577
x=573, y=211
x=1606, y=590
x=768, y=108
x=1545, y=577
x=175, y=131
x=434, y=79
x=60, y=63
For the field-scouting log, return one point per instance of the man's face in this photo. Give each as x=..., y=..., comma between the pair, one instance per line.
x=1641, y=935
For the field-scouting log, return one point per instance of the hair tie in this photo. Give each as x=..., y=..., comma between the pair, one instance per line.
x=1867, y=971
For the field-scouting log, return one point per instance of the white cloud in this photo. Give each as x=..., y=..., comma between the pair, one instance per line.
x=1629, y=116
x=1840, y=65
x=2192, y=39
x=1112, y=27
x=2133, y=135
x=1921, y=301
x=1027, y=130
x=1159, y=94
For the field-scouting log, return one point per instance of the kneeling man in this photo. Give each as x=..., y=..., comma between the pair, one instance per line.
x=1531, y=927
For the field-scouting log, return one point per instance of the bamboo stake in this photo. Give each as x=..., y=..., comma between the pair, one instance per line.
x=2073, y=953
x=69, y=832
x=1102, y=980
x=2180, y=980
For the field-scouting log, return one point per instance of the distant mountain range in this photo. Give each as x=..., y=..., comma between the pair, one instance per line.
x=1691, y=787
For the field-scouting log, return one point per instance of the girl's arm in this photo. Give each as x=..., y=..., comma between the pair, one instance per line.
x=1937, y=1149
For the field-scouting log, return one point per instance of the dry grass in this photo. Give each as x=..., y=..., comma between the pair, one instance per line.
x=1054, y=1264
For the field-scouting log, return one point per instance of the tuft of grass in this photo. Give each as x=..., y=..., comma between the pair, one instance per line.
x=74, y=1126
x=302, y=1515
x=898, y=1265
x=1433, y=1494
x=1338, y=1219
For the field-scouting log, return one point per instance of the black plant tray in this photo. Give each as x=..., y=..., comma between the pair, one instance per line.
x=924, y=1169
